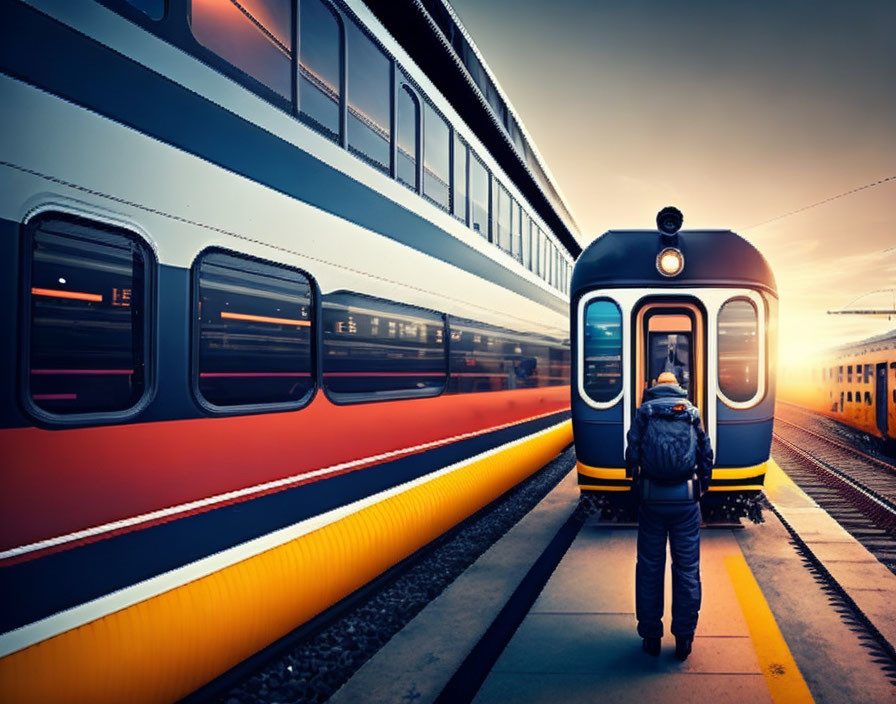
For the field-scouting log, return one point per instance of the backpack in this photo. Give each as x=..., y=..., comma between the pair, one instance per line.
x=669, y=445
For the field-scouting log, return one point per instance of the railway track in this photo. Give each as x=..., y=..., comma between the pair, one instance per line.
x=857, y=489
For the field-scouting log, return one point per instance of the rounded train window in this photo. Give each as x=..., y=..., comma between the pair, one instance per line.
x=739, y=372
x=602, y=351
x=252, y=335
x=87, y=338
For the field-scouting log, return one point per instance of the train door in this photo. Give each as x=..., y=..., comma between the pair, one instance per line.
x=880, y=397
x=670, y=338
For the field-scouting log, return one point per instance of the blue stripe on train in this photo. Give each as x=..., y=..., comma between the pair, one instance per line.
x=53, y=57
x=37, y=589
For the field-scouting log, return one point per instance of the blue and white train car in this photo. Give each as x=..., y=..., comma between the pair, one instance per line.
x=285, y=292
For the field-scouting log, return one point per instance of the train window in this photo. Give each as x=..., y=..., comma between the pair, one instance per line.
x=369, y=99
x=488, y=358
x=87, y=338
x=408, y=137
x=152, y=8
x=479, y=194
x=537, y=246
x=849, y=374
x=601, y=371
x=840, y=374
x=849, y=396
x=252, y=341
x=517, y=243
x=526, y=241
x=552, y=254
x=320, y=67
x=503, y=205
x=436, y=161
x=867, y=398
x=459, y=191
x=869, y=373
x=739, y=350
x=255, y=36
x=375, y=349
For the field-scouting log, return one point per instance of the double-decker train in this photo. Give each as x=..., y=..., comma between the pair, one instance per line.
x=701, y=304
x=855, y=384
x=285, y=291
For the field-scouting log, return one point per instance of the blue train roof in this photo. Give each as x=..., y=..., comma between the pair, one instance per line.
x=620, y=258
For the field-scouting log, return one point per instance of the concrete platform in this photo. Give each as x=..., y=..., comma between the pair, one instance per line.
x=868, y=582
x=417, y=663
x=579, y=642
x=767, y=630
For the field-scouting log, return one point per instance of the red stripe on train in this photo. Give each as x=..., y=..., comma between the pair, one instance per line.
x=62, y=481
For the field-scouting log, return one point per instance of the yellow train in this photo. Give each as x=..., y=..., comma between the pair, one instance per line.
x=854, y=384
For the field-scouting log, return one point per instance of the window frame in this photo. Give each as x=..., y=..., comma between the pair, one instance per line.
x=584, y=302
x=150, y=333
x=295, y=107
x=213, y=409
x=455, y=138
x=427, y=103
x=761, y=355
x=403, y=83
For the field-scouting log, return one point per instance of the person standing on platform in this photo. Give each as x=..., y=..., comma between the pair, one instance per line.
x=669, y=459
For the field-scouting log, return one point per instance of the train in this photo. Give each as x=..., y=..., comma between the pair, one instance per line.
x=287, y=285
x=701, y=304
x=854, y=384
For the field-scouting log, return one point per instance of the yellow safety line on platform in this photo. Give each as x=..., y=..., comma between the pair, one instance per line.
x=776, y=477
x=783, y=678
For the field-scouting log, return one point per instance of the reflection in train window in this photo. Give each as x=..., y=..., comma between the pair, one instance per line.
x=408, y=137
x=516, y=227
x=369, y=99
x=537, y=238
x=375, y=349
x=479, y=184
x=739, y=350
x=88, y=317
x=526, y=245
x=503, y=205
x=489, y=358
x=254, y=35
x=602, y=351
x=153, y=8
x=320, y=62
x=459, y=192
x=436, y=143
x=254, y=332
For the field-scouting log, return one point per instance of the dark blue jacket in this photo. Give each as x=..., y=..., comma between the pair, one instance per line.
x=663, y=397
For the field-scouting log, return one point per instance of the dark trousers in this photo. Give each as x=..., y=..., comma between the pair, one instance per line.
x=682, y=525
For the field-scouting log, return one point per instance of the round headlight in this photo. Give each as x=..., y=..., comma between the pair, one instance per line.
x=670, y=262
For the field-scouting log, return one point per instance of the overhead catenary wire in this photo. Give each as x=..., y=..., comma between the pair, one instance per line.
x=821, y=202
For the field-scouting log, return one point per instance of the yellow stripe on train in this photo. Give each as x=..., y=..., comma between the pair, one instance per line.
x=755, y=473
x=163, y=648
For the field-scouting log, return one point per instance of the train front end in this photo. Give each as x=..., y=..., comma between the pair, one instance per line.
x=699, y=303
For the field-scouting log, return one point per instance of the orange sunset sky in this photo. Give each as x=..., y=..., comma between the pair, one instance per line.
x=736, y=112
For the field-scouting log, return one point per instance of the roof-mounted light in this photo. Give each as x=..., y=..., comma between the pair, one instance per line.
x=670, y=261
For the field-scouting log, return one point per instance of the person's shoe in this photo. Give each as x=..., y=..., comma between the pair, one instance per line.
x=651, y=646
x=683, y=647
